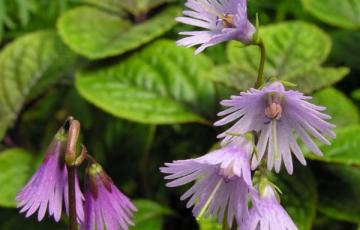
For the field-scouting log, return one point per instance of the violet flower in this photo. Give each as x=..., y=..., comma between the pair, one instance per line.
x=105, y=206
x=267, y=213
x=275, y=113
x=48, y=188
x=222, y=182
x=223, y=20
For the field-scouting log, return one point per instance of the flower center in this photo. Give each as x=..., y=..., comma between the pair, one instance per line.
x=228, y=172
x=228, y=20
x=273, y=109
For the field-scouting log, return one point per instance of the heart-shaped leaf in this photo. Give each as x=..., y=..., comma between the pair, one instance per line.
x=159, y=85
x=97, y=33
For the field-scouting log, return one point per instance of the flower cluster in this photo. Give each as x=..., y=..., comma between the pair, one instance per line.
x=101, y=206
x=269, y=122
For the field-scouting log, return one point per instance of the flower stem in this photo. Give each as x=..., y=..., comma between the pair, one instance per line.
x=260, y=78
x=72, y=199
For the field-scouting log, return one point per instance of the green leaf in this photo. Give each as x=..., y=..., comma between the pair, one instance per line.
x=346, y=48
x=15, y=170
x=316, y=77
x=149, y=215
x=209, y=224
x=299, y=195
x=307, y=80
x=340, y=192
x=99, y=34
x=159, y=85
x=344, y=149
x=137, y=7
x=290, y=46
x=342, y=13
x=28, y=66
x=341, y=108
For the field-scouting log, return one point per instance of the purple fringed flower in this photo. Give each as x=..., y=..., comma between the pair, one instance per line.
x=222, y=181
x=276, y=113
x=267, y=213
x=105, y=206
x=49, y=186
x=223, y=20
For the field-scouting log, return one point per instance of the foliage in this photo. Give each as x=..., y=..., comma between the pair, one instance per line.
x=143, y=101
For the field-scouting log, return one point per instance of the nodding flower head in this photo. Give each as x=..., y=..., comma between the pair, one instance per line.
x=222, y=182
x=105, y=206
x=223, y=20
x=276, y=115
x=48, y=188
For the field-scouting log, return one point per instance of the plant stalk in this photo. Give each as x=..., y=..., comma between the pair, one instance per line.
x=72, y=198
x=260, y=78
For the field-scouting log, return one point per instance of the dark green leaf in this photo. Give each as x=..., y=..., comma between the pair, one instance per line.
x=15, y=165
x=346, y=48
x=299, y=195
x=99, y=34
x=149, y=215
x=137, y=7
x=160, y=85
x=340, y=192
x=342, y=13
x=27, y=66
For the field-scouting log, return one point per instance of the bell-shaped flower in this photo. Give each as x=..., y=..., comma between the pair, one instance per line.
x=222, y=182
x=276, y=115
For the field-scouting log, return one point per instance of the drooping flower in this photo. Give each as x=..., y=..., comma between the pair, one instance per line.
x=223, y=20
x=267, y=213
x=276, y=114
x=48, y=188
x=105, y=206
x=222, y=182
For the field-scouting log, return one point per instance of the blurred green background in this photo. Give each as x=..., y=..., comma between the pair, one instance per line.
x=143, y=101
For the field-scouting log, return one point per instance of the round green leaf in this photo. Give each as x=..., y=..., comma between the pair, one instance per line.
x=15, y=165
x=159, y=85
x=342, y=13
x=149, y=215
x=27, y=66
x=290, y=46
x=97, y=34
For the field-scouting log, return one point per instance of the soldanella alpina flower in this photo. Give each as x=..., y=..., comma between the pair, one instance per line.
x=276, y=114
x=48, y=188
x=223, y=20
x=267, y=213
x=105, y=206
x=222, y=182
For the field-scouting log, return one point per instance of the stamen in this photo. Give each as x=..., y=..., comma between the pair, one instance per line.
x=273, y=109
x=228, y=20
x=211, y=197
x=228, y=172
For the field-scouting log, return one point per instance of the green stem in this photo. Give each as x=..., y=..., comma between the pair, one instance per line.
x=260, y=78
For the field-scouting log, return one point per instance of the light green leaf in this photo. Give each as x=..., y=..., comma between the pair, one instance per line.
x=99, y=34
x=209, y=224
x=15, y=165
x=149, y=215
x=299, y=195
x=344, y=149
x=137, y=7
x=341, y=108
x=159, y=85
x=290, y=46
x=340, y=192
x=27, y=66
x=342, y=13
